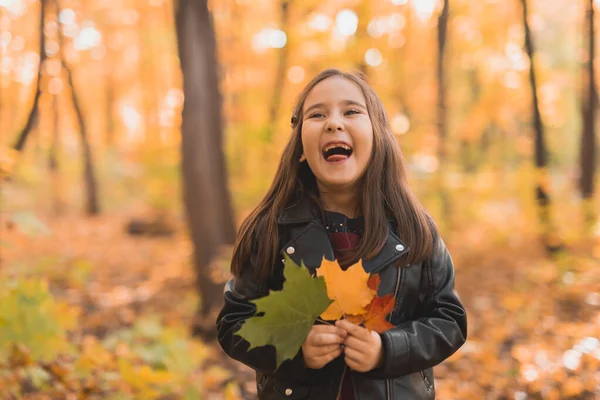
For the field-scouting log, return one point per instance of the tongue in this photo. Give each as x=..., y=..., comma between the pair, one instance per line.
x=336, y=157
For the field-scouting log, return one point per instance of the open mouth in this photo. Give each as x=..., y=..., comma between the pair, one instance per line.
x=336, y=152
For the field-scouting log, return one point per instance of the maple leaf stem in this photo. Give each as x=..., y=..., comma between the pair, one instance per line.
x=323, y=321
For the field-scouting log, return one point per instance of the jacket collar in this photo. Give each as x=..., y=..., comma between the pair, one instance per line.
x=310, y=242
x=300, y=212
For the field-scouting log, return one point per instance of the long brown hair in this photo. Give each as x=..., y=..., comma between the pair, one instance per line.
x=385, y=193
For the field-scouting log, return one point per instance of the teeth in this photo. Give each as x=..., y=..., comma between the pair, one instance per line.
x=333, y=146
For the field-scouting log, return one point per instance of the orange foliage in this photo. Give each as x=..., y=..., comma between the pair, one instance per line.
x=348, y=289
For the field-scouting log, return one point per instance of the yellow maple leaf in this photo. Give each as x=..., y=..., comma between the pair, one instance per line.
x=348, y=289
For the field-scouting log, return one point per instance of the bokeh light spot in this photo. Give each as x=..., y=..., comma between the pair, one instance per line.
x=66, y=16
x=400, y=124
x=373, y=57
x=320, y=22
x=269, y=38
x=346, y=22
x=87, y=38
x=296, y=74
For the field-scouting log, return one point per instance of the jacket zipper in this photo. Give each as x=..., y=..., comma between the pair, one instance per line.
x=341, y=383
x=388, y=382
x=426, y=381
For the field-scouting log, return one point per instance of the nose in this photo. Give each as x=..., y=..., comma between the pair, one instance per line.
x=334, y=123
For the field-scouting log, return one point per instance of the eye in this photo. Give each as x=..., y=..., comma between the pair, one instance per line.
x=317, y=114
x=352, y=111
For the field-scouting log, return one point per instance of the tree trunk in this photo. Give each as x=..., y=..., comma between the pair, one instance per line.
x=52, y=157
x=90, y=182
x=105, y=24
x=470, y=156
x=588, y=139
x=57, y=203
x=149, y=79
x=442, y=120
x=441, y=79
x=402, y=76
x=280, y=74
x=542, y=184
x=361, y=37
x=206, y=198
x=34, y=112
x=111, y=126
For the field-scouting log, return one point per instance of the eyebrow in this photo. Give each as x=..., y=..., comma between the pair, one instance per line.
x=346, y=102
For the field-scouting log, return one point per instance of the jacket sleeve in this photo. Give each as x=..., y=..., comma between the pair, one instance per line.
x=237, y=309
x=439, y=331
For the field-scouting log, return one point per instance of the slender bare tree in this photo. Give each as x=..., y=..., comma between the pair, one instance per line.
x=442, y=120
x=53, y=164
x=542, y=194
x=206, y=197
x=284, y=19
x=105, y=22
x=33, y=115
x=441, y=79
x=588, y=106
x=89, y=175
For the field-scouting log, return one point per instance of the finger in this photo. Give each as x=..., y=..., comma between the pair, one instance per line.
x=345, y=325
x=335, y=353
x=351, y=328
x=329, y=329
x=325, y=350
x=355, y=343
x=331, y=356
x=354, y=355
x=326, y=339
x=375, y=337
x=358, y=367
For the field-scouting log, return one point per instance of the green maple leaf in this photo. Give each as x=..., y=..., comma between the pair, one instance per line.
x=288, y=314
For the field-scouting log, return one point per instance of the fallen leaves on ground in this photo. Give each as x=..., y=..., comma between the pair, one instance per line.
x=102, y=324
x=534, y=321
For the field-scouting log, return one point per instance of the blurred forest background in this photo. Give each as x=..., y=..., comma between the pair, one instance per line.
x=119, y=204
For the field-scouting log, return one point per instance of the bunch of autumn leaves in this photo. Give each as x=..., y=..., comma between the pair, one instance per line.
x=284, y=318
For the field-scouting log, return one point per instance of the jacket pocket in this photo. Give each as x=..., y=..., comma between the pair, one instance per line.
x=291, y=391
x=411, y=386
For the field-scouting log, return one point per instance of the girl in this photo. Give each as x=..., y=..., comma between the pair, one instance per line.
x=341, y=192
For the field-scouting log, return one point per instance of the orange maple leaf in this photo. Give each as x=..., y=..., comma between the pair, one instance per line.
x=376, y=312
x=348, y=289
x=373, y=282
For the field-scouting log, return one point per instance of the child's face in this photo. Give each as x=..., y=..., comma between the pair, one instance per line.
x=337, y=135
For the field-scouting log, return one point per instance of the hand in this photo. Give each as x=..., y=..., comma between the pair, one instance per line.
x=322, y=345
x=362, y=348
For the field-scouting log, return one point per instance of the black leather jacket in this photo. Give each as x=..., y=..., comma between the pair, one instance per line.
x=431, y=323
